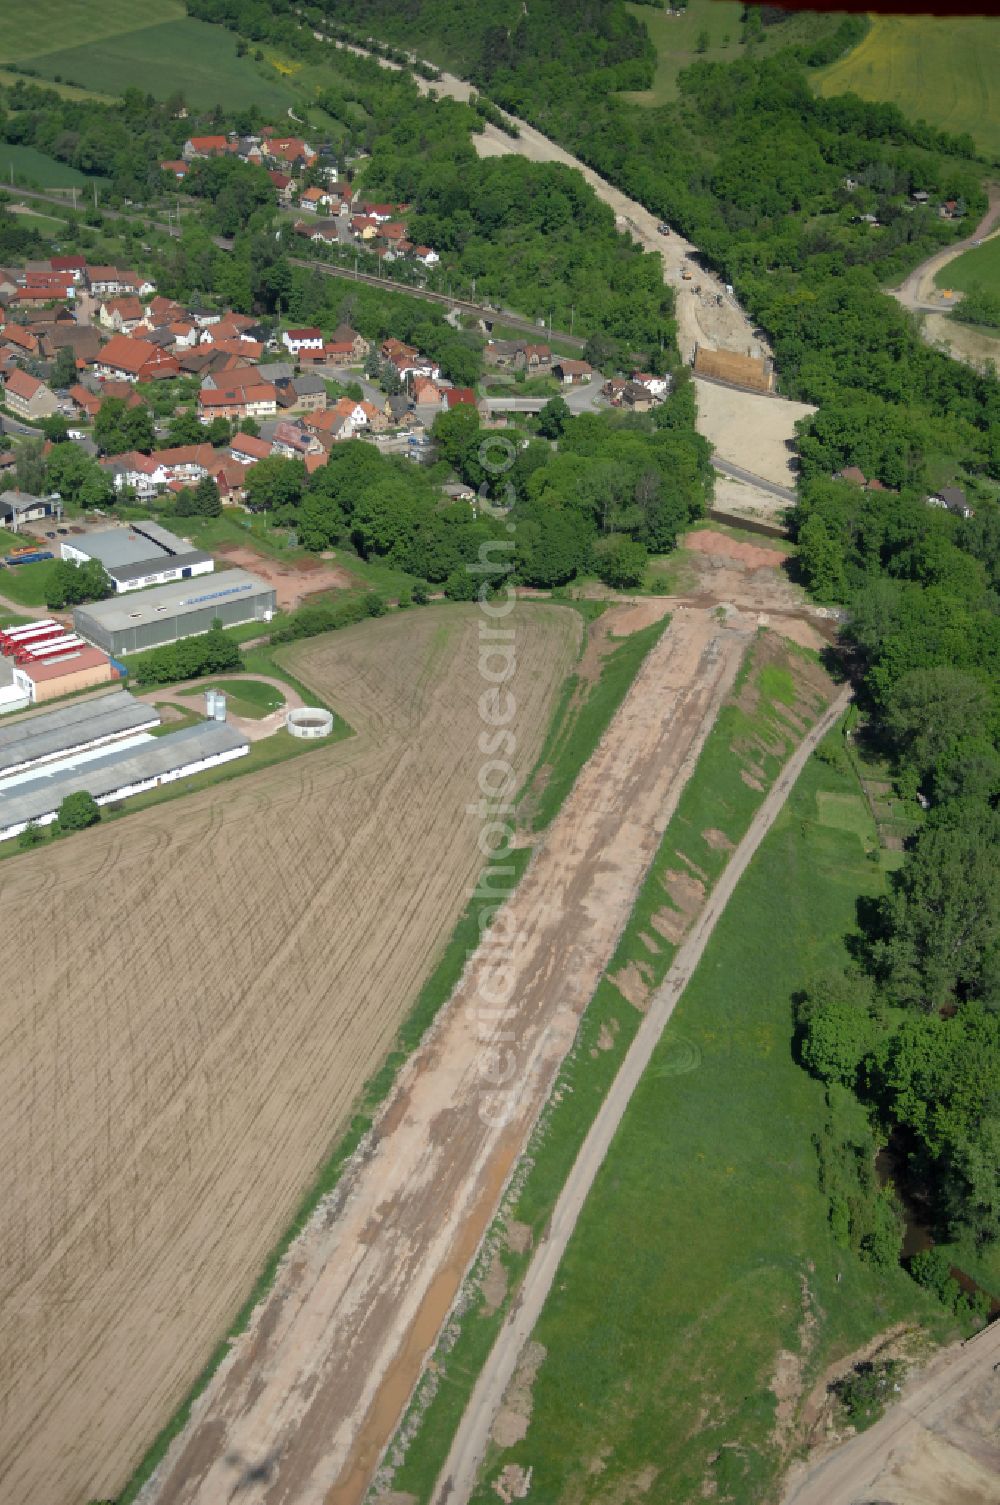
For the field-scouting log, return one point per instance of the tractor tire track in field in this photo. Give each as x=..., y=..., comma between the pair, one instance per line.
x=308, y=1397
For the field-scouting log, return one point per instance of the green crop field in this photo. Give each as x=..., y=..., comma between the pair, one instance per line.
x=704, y=1248
x=26, y=32
x=979, y=266
x=191, y=57
x=27, y=165
x=944, y=71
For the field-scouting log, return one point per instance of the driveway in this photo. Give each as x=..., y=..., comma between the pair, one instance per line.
x=254, y=728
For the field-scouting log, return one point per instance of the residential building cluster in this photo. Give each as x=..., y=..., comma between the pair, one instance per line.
x=337, y=212
x=123, y=335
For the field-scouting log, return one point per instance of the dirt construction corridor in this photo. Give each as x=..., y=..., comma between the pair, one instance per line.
x=306, y=1400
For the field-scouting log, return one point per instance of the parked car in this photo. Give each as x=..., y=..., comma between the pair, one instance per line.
x=62, y=530
x=663, y=228
x=50, y=535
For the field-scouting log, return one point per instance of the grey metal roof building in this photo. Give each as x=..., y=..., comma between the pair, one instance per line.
x=182, y=609
x=125, y=546
x=141, y=554
x=81, y=724
x=117, y=775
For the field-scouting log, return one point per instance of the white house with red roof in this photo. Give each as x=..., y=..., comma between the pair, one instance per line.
x=297, y=340
x=247, y=449
x=205, y=146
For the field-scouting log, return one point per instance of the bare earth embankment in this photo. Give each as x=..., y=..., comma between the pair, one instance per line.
x=938, y=1445
x=307, y=1399
x=197, y=994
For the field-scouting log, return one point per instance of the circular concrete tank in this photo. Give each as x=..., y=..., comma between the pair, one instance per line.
x=309, y=721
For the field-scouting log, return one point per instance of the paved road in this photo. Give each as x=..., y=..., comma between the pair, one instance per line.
x=458, y=1477
x=935, y=1409
x=737, y=473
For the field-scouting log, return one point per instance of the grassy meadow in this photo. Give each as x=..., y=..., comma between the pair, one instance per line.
x=980, y=266
x=704, y=1248
x=708, y=31
x=26, y=584
x=942, y=70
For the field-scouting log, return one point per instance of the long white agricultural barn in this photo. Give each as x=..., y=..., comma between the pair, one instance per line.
x=121, y=773
x=73, y=728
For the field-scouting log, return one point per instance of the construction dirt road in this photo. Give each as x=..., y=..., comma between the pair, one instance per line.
x=307, y=1398
x=458, y=1477
x=938, y=1445
x=707, y=314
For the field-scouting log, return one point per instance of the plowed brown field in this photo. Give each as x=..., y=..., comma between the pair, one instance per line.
x=193, y=998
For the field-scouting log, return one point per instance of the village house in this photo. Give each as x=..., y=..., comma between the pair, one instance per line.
x=952, y=498
x=298, y=340
x=502, y=354
x=28, y=397
x=572, y=373
x=460, y=397
x=110, y=282
x=293, y=441
x=533, y=359
x=656, y=386
x=127, y=359
x=75, y=266
x=376, y=421
x=285, y=186
x=426, y=393
x=247, y=449
x=314, y=199
x=205, y=146
x=121, y=314
x=83, y=339
x=134, y=472
x=339, y=352
x=426, y=256
x=308, y=393
x=87, y=403
x=359, y=345
x=254, y=399
x=290, y=151
x=230, y=477
x=635, y=397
